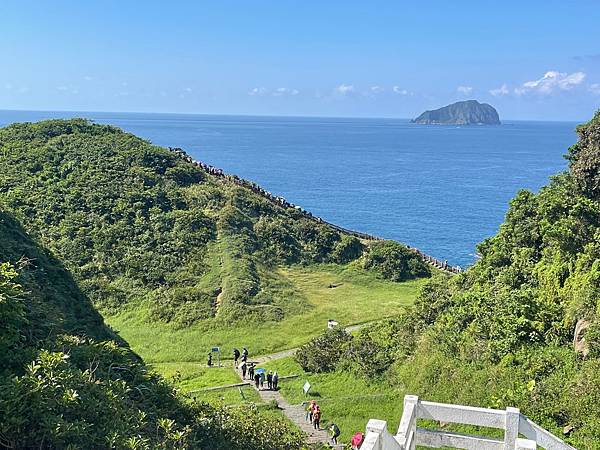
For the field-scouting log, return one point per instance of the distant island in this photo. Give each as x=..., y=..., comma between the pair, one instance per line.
x=469, y=112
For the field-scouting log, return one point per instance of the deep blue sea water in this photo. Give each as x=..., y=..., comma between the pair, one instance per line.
x=442, y=189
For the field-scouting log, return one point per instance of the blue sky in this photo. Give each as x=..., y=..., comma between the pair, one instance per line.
x=530, y=59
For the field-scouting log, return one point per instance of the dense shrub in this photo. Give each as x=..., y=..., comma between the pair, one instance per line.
x=347, y=249
x=323, y=352
x=277, y=241
x=394, y=261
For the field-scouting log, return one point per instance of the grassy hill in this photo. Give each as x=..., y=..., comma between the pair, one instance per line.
x=68, y=381
x=178, y=258
x=152, y=237
x=135, y=221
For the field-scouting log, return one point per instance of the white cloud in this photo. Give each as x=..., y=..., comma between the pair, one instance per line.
x=595, y=88
x=499, y=92
x=465, y=90
x=285, y=91
x=400, y=91
x=188, y=89
x=8, y=86
x=62, y=88
x=344, y=89
x=377, y=89
x=87, y=78
x=259, y=91
x=551, y=82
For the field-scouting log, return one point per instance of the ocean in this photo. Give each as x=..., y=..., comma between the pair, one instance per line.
x=441, y=189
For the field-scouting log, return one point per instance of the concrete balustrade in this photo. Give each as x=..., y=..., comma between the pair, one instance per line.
x=409, y=435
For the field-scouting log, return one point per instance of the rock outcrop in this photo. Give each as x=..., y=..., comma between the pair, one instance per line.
x=469, y=112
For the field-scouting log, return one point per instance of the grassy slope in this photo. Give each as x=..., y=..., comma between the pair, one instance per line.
x=155, y=243
x=359, y=297
x=345, y=399
x=193, y=378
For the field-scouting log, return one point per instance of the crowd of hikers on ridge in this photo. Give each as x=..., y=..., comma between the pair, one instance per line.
x=282, y=202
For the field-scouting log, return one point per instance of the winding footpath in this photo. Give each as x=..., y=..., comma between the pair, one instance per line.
x=295, y=413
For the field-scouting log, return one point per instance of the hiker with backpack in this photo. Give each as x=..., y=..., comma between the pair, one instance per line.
x=236, y=356
x=316, y=417
x=335, y=433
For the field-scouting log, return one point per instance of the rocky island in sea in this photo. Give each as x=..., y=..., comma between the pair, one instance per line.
x=469, y=112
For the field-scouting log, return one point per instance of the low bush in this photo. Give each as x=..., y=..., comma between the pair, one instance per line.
x=322, y=353
x=394, y=261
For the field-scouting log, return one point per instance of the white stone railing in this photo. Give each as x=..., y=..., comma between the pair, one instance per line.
x=410, y=435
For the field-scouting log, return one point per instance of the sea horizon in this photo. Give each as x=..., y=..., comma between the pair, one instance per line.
x=274, y=116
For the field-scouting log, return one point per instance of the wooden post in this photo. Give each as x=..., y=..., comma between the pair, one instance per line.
x=511, y=433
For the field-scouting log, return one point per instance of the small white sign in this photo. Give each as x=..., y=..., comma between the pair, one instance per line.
x=306, y=387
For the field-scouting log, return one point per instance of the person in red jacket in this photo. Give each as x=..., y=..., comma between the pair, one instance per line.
x=317, y=417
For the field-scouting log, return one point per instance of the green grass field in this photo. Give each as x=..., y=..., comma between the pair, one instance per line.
x=358, y=297
x=345, y=399
x=193, y=378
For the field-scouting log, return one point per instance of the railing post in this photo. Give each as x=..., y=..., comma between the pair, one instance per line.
x=407, y=430
x=374, y=435
x=511, y=433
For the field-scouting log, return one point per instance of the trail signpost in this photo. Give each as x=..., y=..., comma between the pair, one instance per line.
x=306, y=387
x=217, y=350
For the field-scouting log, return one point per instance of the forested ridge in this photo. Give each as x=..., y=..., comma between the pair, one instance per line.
x=520, y=328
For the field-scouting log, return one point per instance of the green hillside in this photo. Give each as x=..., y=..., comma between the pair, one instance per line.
x=178, y=258
x=521, y=327
x=137, y=223
x=67, y=381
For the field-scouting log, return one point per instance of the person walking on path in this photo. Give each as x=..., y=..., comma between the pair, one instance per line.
x=317, y=417
x=244, y=354
x=357, y=440
x=275, y=381
x=209, y=359
x=256, y=380
x=236, y=356
x=335, y=433
x=251, y=371
x=309, y=409
x=262, y=379
x=243, y=371
x=269, y=381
